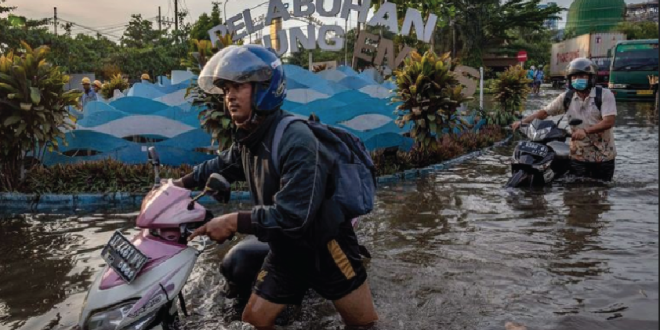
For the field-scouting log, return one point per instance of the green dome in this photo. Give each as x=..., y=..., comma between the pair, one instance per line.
x=586, y=16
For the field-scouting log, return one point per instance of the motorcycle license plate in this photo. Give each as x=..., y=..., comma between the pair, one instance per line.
x=123, y=257
x=533, y=148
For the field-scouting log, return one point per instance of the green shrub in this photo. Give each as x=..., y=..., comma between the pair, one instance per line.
x=511, y=89
x=98, y=177
x=430, y=94
x=116, y=82
x=34, y=109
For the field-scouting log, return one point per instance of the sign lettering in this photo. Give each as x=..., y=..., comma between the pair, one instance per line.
x=383, y=49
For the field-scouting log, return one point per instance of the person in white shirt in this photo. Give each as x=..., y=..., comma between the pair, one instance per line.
x=593, y=151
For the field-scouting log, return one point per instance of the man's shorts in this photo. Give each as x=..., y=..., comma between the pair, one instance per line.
x=334, y=271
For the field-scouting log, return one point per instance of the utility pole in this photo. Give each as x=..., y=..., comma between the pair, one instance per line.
x=311, y=66
x=346, y=41
x=159, y=18
x=55, y=19
x=176, y=15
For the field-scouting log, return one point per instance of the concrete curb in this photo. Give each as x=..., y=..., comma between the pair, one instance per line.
x=421, y=172
x=23, y=203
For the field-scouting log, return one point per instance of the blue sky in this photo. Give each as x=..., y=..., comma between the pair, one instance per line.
x=110, y=15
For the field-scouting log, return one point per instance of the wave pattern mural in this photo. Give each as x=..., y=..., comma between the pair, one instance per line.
x=158, y=115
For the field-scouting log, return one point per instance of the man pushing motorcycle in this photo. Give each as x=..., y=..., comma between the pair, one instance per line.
x=592, y=148
x=311, y=239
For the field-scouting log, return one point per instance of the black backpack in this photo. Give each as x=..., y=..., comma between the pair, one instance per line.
x=568, y=97
x=353, y=171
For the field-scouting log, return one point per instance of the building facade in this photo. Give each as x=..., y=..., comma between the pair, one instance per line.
x=642, y=12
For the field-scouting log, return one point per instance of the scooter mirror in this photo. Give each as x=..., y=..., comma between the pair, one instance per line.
x=217, y=183
x=575, y=122
x=153, y=156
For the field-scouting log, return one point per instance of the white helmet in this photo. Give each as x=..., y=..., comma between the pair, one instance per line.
x=532, y=67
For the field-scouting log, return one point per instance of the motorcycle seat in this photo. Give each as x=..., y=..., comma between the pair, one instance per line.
x=561, y=149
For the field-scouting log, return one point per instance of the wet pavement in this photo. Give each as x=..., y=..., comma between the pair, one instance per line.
x=451, y=251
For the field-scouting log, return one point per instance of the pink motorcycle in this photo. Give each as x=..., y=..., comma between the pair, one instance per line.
x=143, y=276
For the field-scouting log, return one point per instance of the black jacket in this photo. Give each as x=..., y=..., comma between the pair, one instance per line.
x=287, y=207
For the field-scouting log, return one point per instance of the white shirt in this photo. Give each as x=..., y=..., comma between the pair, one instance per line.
x=597, y=147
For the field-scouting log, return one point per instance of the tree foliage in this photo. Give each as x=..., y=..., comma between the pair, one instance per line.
x=638, y=30
x=481, y=26
x=204, y=23
x=141, y=48
x=34, y=108
x=140, y=33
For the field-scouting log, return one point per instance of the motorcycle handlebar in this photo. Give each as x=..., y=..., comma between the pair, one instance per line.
x=191, y=227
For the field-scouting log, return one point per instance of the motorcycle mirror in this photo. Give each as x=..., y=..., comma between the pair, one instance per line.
x=217, y=183
x=153, y=156
x=575, y=122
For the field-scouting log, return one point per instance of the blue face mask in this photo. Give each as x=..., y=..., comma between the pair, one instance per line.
x=579, y=84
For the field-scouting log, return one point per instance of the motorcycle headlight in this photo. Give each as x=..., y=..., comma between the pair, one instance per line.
x=536, y=135
x=109, y=319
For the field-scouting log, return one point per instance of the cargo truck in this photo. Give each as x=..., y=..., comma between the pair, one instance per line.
x=594, y=46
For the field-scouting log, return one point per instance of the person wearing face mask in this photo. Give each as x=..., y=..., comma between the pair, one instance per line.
x=592, y=146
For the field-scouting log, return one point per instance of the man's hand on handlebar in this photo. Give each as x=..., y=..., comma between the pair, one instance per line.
x=219, y=228
x=516, y=124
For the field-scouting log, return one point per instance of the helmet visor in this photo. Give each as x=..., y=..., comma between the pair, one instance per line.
x=235, y=64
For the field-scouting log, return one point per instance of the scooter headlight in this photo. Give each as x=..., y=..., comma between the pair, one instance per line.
x=536, y=135
x=109, y=319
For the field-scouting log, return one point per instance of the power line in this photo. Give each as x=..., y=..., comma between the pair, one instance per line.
x=106, y=30
x=91, y=29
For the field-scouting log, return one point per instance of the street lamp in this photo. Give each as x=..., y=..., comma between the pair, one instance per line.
x=224, y=11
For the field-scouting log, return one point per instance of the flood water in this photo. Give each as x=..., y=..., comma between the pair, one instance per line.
x=453, y=250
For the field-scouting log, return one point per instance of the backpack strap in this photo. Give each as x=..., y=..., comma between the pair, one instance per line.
x=599, y=97
x=568, y=97
x=277, y=138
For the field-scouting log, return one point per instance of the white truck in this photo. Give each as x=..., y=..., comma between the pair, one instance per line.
x=595, y=46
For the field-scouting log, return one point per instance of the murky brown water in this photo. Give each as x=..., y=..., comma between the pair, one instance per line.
x=451, y=251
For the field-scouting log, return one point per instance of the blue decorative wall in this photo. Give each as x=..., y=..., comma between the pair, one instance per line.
x=340, y=97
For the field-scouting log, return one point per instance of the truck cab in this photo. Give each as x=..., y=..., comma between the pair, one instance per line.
x=634, y=64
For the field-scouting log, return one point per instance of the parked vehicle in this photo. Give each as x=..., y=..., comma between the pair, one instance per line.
x=633, y=65
x=544, y=157
x=594, y=46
